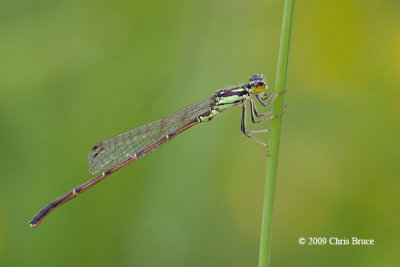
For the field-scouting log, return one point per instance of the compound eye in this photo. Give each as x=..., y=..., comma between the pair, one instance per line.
x=255, y=77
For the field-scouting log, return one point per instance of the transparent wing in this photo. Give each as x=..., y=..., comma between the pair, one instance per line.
x=118, y=148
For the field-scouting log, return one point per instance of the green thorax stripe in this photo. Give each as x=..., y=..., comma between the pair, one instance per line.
x=225, y=99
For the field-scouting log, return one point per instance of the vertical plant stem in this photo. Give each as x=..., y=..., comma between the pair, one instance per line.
x=272, y=160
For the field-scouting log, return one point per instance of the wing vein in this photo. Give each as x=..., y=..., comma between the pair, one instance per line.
x=118, y=148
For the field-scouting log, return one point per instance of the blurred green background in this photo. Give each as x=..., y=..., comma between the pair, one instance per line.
x=76, y=72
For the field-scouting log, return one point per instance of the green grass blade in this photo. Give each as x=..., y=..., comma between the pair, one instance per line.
x=272, y=160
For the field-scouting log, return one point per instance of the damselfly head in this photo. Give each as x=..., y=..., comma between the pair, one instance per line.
x=257, y=83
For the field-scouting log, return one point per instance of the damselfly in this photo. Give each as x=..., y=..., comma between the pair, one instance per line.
x=114, y=153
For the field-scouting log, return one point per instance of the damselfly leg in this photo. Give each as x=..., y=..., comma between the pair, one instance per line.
x=246, y=132
x=254, y=113
x=273, y=94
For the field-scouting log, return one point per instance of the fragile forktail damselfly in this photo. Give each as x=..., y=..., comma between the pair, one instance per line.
x=114, y=153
